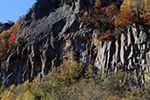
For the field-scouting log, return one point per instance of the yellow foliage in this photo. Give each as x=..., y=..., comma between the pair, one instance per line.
x=26, y=83
x=6, y=32
x=109, y=86
x=12, y=87
x=70, y=71
x=27, y=96
x=7, y=95
x=3, y=41
x=125, y=4
x=85, y=14
x=147, y=5
x=139, y=5
x=113, y=98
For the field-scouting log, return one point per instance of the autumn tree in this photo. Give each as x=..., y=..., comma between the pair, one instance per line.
x=111, y=11
x=147, y=5
x=98, y=4
x=137, y=6
x=126, y=15
x=145, y=18
x=7, y=36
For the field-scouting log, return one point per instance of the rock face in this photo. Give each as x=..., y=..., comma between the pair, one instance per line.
x=48, y=18
x=130, y=50
x=55, y=34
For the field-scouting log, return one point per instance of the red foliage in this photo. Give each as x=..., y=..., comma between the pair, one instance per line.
x=103, y=9
x=82, y=11
x=102, y=15
x=105, y=35
x=97, y=25
x=89, y=17
x=40, y=47
x=108, y=31
x=11, y=38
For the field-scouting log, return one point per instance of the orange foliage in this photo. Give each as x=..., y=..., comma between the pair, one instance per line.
x=117, y=20
x=108, y=31
x=97, y=3
x=15, y=27
x=103, y=9
x=117, y=66
x=105, y=35
x=145, y=17
x=1, y=54
x=126, y=15
x=111, y=11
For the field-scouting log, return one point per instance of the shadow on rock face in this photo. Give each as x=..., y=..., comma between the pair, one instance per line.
x=58, y=26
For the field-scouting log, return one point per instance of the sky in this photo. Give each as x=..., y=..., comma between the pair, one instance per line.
x=12, y=9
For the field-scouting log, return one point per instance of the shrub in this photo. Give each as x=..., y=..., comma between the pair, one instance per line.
x=2, y=88
x=27, y=96
x=72, y=81
x=71, y=72
x=7, y=95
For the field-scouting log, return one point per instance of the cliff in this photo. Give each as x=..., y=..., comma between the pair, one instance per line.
x=55, y=34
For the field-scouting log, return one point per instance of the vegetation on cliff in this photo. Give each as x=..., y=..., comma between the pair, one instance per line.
x=110, y=20
x=7, y=39
x=73, y=81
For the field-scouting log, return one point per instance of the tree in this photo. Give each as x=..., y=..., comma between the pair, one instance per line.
x=111, y=10
x=137, y=6
x=98, y=4
x=126, y=15
x=147, y=5
x=7, y=36
x=145, y=17
x=125, y=4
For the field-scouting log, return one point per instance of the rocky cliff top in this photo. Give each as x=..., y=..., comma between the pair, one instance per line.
x=5, y=26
